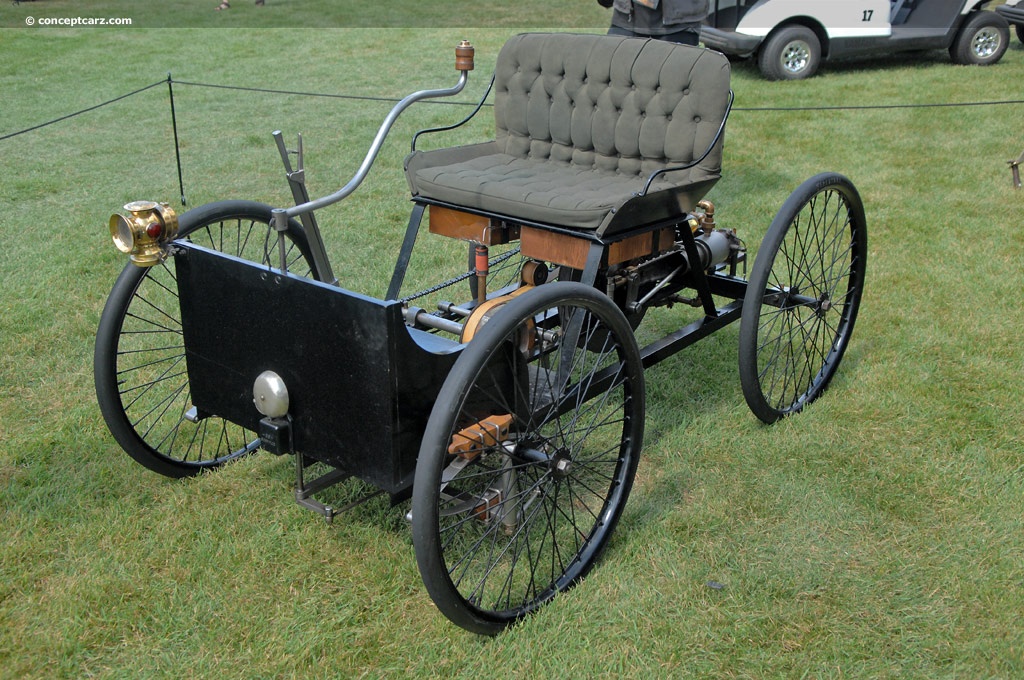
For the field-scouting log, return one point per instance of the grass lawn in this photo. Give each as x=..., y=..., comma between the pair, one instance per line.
x=878, y=534
x=317, y=13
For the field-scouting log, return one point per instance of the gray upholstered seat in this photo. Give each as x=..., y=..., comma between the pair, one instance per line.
x=581, y=123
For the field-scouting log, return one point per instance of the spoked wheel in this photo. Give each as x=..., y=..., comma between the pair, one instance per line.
x=528, y=457
x=141, y=380
x=802, y=297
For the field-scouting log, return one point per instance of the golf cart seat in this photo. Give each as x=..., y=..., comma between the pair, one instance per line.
x=592, y=132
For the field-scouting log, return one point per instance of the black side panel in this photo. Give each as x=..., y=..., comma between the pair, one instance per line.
x=930, y=25
x=360, y=385
x=933, y=14
x=727, y=14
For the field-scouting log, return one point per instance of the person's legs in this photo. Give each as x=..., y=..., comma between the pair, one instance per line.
x=687, y=36
x=684, y=37
x=618, y=30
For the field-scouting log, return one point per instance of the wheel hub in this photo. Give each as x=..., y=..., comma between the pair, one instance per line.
x=985, y=43
x=561, y=465
x=796, y=56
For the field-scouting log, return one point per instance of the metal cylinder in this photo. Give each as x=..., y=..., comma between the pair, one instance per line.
x=714, y=248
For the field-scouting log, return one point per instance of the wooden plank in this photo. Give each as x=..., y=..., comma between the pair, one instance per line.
x=469, y=227
x=641, y=245
x=554, y=247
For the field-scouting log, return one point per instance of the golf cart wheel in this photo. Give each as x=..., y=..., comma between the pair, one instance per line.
x=142, y=384
x=802, y=297
x=982, y=40
x=528, y=456
x=792, y=53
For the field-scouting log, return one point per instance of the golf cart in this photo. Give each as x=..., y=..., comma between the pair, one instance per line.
x=1013, y=12
x=791, y=37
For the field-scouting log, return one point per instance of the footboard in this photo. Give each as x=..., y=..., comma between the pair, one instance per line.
x=361, y=383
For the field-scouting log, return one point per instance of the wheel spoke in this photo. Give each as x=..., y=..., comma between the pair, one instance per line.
x=142, y=380
x=534, y=509
x=811, y=269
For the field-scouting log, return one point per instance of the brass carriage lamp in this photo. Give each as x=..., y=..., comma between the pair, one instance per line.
x=144, y=231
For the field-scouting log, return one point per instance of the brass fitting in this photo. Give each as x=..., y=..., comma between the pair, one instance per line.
x=145, y=231
x=707, y=222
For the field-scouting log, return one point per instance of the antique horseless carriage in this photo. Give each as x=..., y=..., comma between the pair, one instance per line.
x=513, y=411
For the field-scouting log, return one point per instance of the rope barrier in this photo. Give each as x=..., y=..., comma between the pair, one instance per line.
x=735, y=108
x=78, y=113
x=174, y=122
x=392, y=100
x=262, y=90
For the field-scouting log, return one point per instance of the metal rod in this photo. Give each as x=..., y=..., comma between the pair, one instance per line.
x=639, y=304
x=177, y=148
x=375, y=147
x=297, y=182
x=451, y=308
x=418, y=317
x=405, y=252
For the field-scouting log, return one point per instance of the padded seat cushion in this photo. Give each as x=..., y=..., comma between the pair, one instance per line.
x=581, y=122
x=545, y=191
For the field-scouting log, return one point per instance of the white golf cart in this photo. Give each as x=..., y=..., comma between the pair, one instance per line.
x=1013, y=11
x=791, y=37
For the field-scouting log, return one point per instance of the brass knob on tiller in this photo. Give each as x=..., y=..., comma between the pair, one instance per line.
x=464, y=56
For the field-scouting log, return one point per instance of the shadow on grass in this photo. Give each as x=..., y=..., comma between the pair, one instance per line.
x=918, y=59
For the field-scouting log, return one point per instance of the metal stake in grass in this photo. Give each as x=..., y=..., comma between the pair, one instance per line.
x=1015, y=169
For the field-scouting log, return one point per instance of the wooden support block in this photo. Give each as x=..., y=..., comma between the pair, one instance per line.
x=568, y=250
x=551, y=246
x=470, y=441
x=469, y=227
x=641, y=245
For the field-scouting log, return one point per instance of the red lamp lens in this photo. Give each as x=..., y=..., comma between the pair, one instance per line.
x=154, y=230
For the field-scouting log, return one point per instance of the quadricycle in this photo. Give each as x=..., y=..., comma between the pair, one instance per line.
x=508, y=401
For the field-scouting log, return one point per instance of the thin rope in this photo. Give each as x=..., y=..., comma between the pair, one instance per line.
x=78, y=113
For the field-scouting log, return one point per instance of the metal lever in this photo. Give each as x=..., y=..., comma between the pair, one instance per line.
x=1015, y=169
x=297, y=182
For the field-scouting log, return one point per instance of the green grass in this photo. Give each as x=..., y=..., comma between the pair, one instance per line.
x=876, y=535
x=312, y=14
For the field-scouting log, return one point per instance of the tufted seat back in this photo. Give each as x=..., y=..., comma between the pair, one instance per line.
x=581, y=123
x=627, y=106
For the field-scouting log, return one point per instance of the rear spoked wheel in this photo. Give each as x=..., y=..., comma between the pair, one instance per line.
x=802, y=298
x=528, y=457
x=141, y=379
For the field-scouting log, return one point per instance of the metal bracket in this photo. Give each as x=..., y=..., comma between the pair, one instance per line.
x=1015, y=169
x=297, y=182
x=304, y=492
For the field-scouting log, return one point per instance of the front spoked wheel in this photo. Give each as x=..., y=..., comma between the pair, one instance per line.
x=802, y=298
x=141, y=379
x=528, y=457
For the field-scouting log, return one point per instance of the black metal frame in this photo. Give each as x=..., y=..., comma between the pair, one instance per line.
x=340, y=351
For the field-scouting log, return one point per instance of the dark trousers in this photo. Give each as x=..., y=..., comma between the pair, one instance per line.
x=684, y=37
